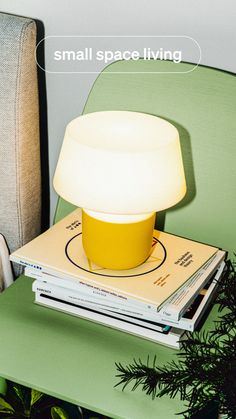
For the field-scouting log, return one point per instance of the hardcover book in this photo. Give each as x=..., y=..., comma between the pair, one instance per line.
x=171, y=337
x=172, y=262
x=172, y=309
x=188, y=321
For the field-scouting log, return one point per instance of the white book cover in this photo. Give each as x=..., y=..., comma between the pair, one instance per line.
x=172, y=262
x=191, y=319
x=77, y=300
x=172, y=309
x=188, y=321
x=171, y=339
x=84, y=298
x=177, y=304
x=91, y=291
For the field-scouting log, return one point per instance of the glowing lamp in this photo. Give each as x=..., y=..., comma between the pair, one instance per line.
x=120, y=167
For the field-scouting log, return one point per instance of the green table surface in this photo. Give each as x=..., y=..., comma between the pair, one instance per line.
x=74, y=359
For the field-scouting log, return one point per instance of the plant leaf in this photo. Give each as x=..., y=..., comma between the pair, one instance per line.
x=58, y=413
x=35, y=396
x=5, y=407
x=19, y=392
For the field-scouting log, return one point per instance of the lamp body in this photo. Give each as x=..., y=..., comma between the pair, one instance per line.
x=121, y=167
x=117, y=245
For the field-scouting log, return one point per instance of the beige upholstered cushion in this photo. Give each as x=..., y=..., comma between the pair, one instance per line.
x=1, y=276
x=20, y=183
x=6, y=277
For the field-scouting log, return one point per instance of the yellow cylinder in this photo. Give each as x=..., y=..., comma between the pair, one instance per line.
x=117, y=245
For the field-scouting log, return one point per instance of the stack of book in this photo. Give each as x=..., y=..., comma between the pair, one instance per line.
x=158, y=300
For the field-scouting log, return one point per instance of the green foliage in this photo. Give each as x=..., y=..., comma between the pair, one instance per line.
x=205, y=373
x=23, y=402
x=5, y=407
x=58, y=413
x=35, y=396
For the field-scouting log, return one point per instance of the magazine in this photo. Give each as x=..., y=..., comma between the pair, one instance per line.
x=172, y=338
x=188, y=321
x=172, y=309
x=172, y=262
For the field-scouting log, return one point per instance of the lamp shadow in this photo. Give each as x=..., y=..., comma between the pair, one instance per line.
x=43, y=126
x=185, y=144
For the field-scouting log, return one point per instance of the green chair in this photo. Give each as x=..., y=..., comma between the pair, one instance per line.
x=74, y=359
x=201, y=103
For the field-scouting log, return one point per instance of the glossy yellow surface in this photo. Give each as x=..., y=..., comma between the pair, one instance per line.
x=117, y=246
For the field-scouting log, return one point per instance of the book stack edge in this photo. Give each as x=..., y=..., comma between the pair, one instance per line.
x=159, y=301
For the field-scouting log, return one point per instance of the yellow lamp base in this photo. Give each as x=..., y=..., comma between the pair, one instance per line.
x=115, y=245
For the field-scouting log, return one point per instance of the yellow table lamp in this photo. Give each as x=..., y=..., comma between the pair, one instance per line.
x=120, y=167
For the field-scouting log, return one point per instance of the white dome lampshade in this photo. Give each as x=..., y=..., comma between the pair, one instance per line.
x=120, y=167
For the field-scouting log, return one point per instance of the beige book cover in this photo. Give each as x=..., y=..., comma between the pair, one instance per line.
x=172, y=262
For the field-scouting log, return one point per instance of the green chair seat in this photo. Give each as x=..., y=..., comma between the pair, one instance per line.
x=201, y=104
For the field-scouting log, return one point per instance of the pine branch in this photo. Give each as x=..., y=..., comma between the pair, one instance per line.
x=206, y=368
x=153, y=378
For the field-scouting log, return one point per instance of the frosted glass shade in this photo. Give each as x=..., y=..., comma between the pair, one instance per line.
x=120, y=162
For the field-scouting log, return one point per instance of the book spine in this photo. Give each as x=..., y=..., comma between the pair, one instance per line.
x=125, y=313
x=211, y=292
x=182, y=299
x=100, y=309
x=172, y=309
x=95, y=303
x=171, y=339
x=152, y=282
x=93, y=291
x=89, y=299
x=191, y=324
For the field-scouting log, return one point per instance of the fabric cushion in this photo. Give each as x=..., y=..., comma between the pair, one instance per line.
x=20, y=179
x=6, y=277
